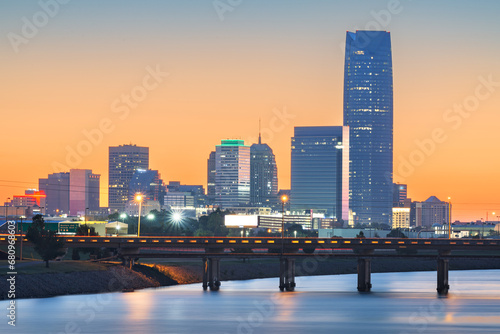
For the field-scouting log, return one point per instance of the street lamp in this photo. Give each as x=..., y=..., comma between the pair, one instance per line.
x=8, y=198
x=88, y=229
x=22, y=237
x=449, y=217
x=138, y=198
x=177, y=217
x=284, y=199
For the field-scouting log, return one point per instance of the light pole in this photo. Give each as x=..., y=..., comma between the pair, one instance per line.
x=482, y=233
x=8, y=198
x=284, y=199
x=138, y=198
x=88, y=229
x=449, y=217
x=22, y=237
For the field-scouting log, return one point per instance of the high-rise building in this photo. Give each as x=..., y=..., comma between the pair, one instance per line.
x=71, y=193
x=232, y=173
x=399, y=194
x=368, y=111
x=56, y=188
x=400, y=217
x=211, y=178
x=263, y=175
x=148, y=183
x=124, y=160
x=83, y=191
x=431, y=211
x=320, y=171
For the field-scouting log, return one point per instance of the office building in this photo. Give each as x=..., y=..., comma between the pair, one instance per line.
x=149, y=184
x=368, y=111
x=399, y=194
x=431, y=211
x=179, y=200
x=124, y=160
x=232, y=173
x=320, y=171
x=56, y=189
x=263, y=175
x=83, y=191
x=400, y=217
x=71, y=193
x=211, y=178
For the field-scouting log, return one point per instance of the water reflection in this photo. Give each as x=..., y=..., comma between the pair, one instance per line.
x=399, y=303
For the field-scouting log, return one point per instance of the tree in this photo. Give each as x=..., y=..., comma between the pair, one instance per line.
x=396, y=233
x=86, y=230
x=114, y=216
x=212, y=225
x=45, y=242
x=360, y=235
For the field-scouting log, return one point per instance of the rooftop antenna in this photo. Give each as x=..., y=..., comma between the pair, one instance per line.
x=259, y=133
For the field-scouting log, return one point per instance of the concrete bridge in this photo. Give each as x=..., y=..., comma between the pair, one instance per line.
x=212, y=249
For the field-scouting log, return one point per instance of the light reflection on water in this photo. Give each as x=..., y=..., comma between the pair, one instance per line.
x=399, y=303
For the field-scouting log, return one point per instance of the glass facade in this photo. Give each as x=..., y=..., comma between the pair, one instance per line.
x=368, y=111
x=56, y=188
x=124, y=160
x=317, y=171
x=232, y=176
x=83, y=191
x=211, y=178
x=263, y=176
x=148, y=183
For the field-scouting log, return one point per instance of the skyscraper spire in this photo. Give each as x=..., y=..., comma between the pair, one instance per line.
x=260, y=142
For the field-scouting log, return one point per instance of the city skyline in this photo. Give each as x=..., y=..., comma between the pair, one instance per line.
x=282, y=62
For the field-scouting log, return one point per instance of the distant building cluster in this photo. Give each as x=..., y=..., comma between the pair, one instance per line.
x=340, y=175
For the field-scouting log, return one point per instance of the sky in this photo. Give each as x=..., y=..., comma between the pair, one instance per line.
x=179, y=76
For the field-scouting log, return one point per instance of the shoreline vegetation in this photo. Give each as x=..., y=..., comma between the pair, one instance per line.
x=81, y=277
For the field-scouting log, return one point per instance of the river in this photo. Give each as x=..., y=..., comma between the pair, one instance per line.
x=398, y=303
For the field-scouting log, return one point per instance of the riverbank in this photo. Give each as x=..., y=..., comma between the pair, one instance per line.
x=72, y=277
x=79, y=277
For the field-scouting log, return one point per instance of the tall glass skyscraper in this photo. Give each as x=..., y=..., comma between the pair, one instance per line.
x=124, y=160
x=232, y=173
x=263, y=176
x=319, y=178
x=368, y=111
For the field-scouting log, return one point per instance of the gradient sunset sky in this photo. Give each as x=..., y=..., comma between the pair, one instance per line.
x=278, y=60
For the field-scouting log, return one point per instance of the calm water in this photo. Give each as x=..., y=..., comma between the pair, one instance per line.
x=399, y=303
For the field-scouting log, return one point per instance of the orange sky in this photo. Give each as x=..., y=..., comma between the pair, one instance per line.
x=262, y=61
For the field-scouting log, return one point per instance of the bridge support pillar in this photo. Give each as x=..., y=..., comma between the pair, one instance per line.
x=287, y=274
x=211, y=274
x=443, y=266
x=128, y=262
x=364, y=274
